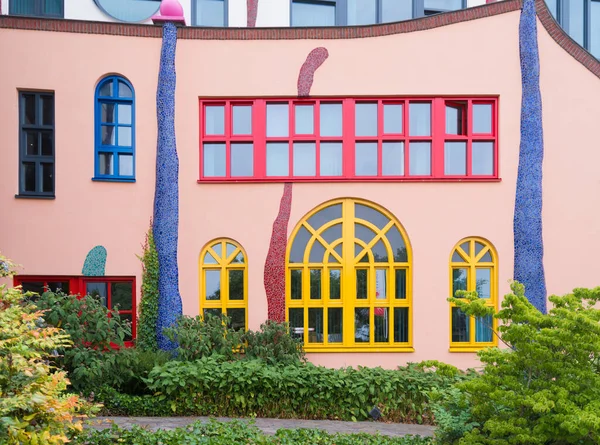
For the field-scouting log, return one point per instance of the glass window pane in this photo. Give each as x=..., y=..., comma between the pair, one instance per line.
x=595, y=28
x=392, y=118
x=305, y=159
x=218, y=248
x=366, y=119
x=278, y=121
x=365, y=159
x=325, y=215
x=31, y=143
x=107, y=134
x=209, y=259
x=334, y=325
x=331, y=159
x=478, y=247
x=242, y=119
x=106, y=90
x=370, y=214
x=460, y=326
x=210, y=13
x=242, y=159
x=124, y=90
x=47, y=144
x=124, y=136
x=381, y=284
x=459, y=280
x=125, y=165
x=332, y=234
x=382, y=324
x=420, y=158
x=482, y=118
x=236, y=284
x=483, y=158
x=443, y=5
x=483, y=280
x=47, y=177
x=107, y=113
x=278, y=163
x=401, y=324
x=455, y=115
x=398, y=245
x=237, y=318
x=315, y=325
x=331, y=119
x=212, y=284
x=296, y=319
x=305, y=119
x=457, y=257
x=29, y=109
x=576, y=20
x=99, y=291
x=214, y=119
x=124, y=112
x=296, y=284
x=315, y=284
x=213, y=161
x=317, y=252
x=392, y=159
x=362, y=331
x=400, y=284
x=419, y=119
x=47, y=110
x=483, y=329
x=53, y=7
x=380, y=253
x=212, y=312
x=552, y=7
x=486, y=258
x=106, y=163
x=121, y=294
x=362, y=284
x=29, y=177
x=362, y=12
x=299, y=245
x=395, y=11
x=306, y=13
x=61, y=287
x=455, y=158
x=335, y=284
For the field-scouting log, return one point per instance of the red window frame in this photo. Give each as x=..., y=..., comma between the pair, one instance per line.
x=77, y=286
x=437, y=138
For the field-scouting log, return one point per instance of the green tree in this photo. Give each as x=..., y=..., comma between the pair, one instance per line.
x=148, y=307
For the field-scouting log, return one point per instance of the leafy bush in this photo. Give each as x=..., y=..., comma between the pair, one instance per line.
x=148, y=307
x=273, y=344
x=235, y=432
x=545, y=387
x=211, y=386
x=33, y=406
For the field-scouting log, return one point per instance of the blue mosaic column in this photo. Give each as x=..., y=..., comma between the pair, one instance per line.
x=166, y=195
x=529, y=245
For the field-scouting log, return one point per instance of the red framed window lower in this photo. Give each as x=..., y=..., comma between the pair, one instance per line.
x=111, y=291
x=357, y=139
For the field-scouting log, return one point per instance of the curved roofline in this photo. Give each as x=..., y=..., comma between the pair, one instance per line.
x=323, y=33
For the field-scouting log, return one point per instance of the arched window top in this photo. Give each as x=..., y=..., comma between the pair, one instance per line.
x=223, y=252
x=115, y=87
x=377, y=235
x=473, y=250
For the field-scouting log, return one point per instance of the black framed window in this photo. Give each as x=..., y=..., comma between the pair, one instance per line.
x=38, y=8
x=209, y=13
x=36, y=144
x=581, y=20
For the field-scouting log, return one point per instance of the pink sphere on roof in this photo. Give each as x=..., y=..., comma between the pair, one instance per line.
x=171, y=8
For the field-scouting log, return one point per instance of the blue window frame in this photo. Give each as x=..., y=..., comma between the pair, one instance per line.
x=114, y=130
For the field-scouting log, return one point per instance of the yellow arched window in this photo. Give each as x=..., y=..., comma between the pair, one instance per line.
x=348, y=284
x=224, y=281
x=473, y=267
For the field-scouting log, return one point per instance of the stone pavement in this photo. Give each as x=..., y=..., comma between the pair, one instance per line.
x=270, y=426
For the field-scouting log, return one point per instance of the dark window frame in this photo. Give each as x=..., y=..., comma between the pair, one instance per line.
x=39, y=159
x=225, y=12
x=39, y=9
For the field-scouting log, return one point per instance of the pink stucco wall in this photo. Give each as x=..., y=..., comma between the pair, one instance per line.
x=477, y=57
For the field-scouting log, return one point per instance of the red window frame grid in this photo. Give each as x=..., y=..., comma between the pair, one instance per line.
x=348, y=139
x=77, y=286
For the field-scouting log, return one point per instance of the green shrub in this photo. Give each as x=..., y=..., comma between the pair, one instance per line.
x=545, y=387
x=148, y=306
x=273, y=344
x=115, y=403
x=33, y=406
x=235, y=432
x=212, y=386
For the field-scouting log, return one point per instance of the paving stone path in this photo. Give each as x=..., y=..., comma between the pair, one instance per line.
x=270, y=426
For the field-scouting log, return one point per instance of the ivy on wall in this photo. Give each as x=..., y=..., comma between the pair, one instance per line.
x=148, y=307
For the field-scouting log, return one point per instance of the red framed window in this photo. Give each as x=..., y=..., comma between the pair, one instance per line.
x=358, y=139
x=111, y=291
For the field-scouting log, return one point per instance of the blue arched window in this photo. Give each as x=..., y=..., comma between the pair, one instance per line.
x=114, y=130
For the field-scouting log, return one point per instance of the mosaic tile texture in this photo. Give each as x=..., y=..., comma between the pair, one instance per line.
x=274, y=277
x=529, y=245
x=166, y=195
x=95, y=262
x=252, y=9
x=307, y=73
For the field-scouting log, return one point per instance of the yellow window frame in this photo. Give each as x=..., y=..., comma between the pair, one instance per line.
x=224, y=263
x=472, y=261
x=347, y=263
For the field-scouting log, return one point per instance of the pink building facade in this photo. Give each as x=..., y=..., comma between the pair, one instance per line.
x=397, y=164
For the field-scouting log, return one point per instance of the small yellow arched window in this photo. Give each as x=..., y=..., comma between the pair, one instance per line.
x=224, y=281
x=473, y=267
x=348, y=283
